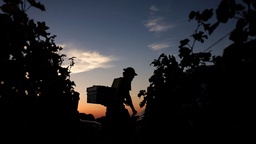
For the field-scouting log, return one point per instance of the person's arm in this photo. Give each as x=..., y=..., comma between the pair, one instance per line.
x=128, y=101
x=124, y=91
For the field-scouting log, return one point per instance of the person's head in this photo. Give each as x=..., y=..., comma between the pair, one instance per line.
x=129, y=72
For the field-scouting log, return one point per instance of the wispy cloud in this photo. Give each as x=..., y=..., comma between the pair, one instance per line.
x=159, y=46
x=154, y=8
x=85, y=60
x=157, y=25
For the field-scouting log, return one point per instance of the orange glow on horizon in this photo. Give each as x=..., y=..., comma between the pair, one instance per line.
x=98, y=110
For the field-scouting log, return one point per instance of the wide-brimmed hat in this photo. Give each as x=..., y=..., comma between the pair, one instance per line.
x=130, y=71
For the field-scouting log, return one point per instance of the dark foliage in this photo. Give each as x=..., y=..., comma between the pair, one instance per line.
x=37, y=98
x=204, y=98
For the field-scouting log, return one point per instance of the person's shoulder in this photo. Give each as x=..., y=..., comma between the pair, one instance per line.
x=117, y=82
x=119, y=77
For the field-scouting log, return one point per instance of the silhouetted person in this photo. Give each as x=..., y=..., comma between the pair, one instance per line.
x=118, y=118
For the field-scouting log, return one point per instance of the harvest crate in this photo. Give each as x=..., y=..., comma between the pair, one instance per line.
x=99, y=94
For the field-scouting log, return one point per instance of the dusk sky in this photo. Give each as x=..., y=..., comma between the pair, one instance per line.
x=106, y=36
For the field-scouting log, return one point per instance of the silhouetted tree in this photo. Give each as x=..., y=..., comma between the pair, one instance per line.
x=37, y=97
x=203, y=97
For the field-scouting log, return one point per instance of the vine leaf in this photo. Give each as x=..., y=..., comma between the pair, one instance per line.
x=37, y=5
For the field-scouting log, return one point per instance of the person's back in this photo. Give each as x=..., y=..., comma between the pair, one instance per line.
x=118, y=85
x=116, y=110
